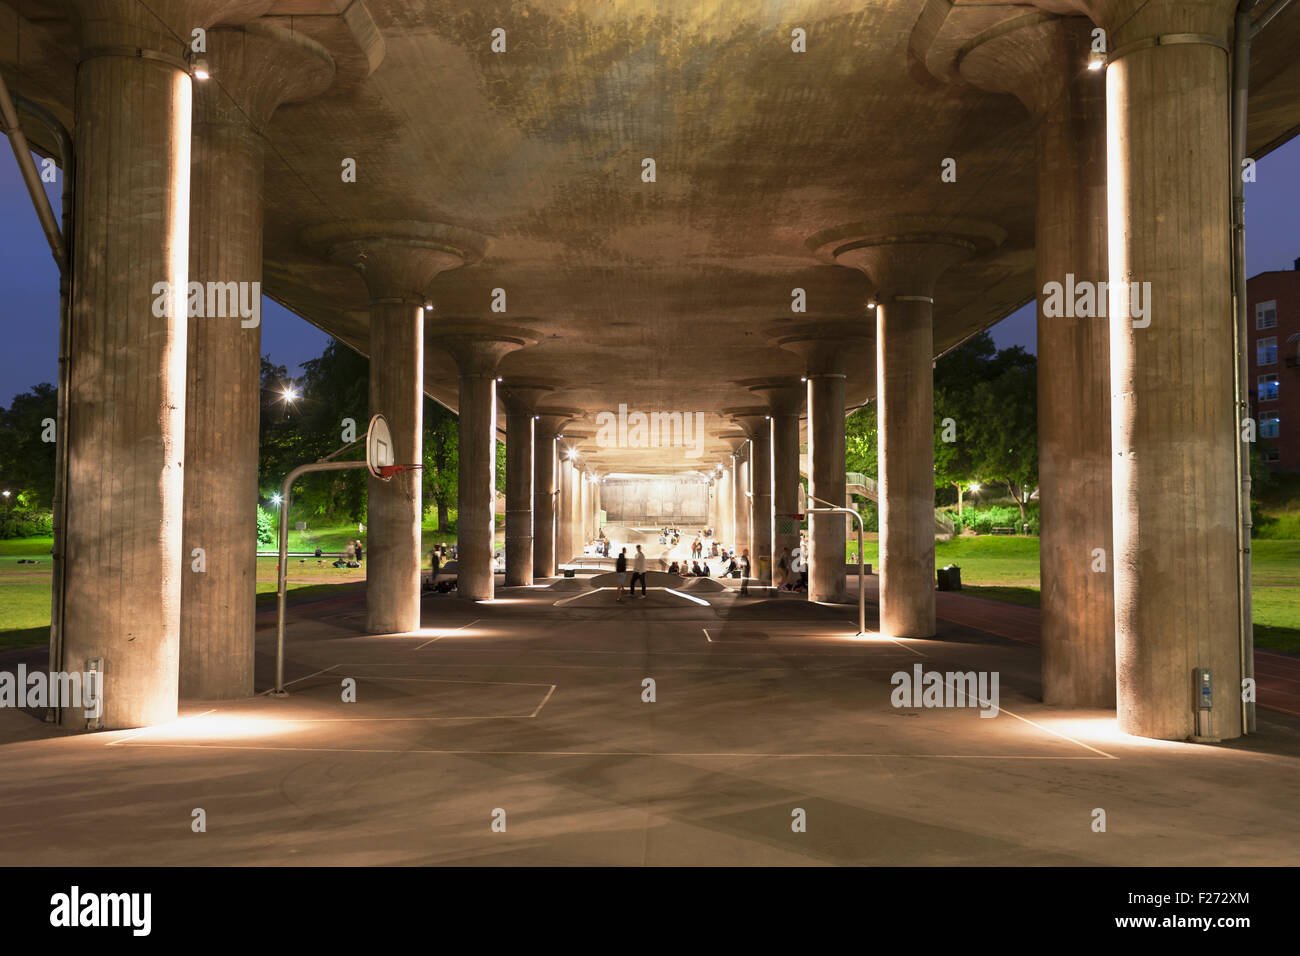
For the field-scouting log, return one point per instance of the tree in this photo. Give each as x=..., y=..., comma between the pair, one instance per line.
x=956, y=377
x=441, y=460
x=1006, y=409
x=27, y=448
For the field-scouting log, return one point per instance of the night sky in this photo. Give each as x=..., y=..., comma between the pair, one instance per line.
x=29, y=285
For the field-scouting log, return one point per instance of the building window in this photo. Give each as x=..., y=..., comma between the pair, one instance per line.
x=1266, y=351
x=1266, y=315
x=1270, y=426
x=1268, y=387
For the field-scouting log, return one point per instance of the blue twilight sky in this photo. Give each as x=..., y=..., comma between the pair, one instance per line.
x=29, y=282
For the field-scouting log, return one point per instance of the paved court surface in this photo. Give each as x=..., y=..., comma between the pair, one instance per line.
x=535, y=711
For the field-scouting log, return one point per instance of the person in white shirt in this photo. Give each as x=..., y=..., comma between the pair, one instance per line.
x=638, y=571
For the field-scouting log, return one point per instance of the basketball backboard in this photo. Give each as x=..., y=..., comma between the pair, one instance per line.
x=379, y=446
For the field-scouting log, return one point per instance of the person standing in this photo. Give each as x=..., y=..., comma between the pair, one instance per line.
x=638, y=571
x=350, y=554
x=744, y=572
x=620, y=568
x=783, y=566
x=360, y=552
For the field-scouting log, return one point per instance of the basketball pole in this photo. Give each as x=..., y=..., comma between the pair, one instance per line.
x=830, y=509
x=282, y=573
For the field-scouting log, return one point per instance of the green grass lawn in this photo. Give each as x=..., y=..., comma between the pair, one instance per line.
x=1006, y=569
x=1003, y=568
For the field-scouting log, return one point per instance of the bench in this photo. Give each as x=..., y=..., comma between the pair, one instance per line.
x=1004, y=530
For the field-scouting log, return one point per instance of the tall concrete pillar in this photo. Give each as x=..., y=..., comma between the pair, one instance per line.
x=399, y=261
x=785, y=399
x=758, y=426
x=904, y=258
x=256, y=68
x=548, y=424
x=722, y=508
x=564, y=538
x=584, y=510
x=741, y=510
x=1042, y=64
x=826, y=349
x=1173, y=422
x=478, y=351
x=126, y=402
x=520, y=400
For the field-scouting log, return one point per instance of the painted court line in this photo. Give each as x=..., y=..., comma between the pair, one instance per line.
x=800, y=644
x=446, y=633
x=1046, y=730
x=145, y=730
x=624, y=753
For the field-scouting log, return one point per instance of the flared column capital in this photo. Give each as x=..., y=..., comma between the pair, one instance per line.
x=905, y=255
x=752, y=418
x=163, y=26
x=783, y=396
x=1034, y=61
x=478, y=349
x=827, y=348
x=255, y=69
x=522, y=396
x=399, y=259
x=550, y=421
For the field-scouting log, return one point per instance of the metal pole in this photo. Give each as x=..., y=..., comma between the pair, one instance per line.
x=282, y=571
x=1241, y=339
x=22, y=153
x=862, y=567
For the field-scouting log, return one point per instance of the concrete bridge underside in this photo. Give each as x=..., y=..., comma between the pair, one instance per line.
x=464, y=194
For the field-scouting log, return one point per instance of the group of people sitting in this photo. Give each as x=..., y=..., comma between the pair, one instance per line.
x=697, y=570
x=350, y=558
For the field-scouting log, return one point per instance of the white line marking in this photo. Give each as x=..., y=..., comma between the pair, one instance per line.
x=570, y=600
x=145, y=730
x=706, y=634
x=905, y=647
x=1031, y=723
x=297, y=679
x=543, y=703
x=689, y=597
x=622, y=753
x=445, y=633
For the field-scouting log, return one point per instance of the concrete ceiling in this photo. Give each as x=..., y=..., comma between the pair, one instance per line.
x=657, y=295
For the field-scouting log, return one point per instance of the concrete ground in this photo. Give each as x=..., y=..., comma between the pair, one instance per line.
x=532, y=706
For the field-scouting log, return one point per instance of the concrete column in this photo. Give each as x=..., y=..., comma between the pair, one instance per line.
x=126, y=403
x=785, y=399
x=520, y=400
x=478, y=351
x=1174, y=434
x=723, y=509
x=399, y=261
x=827, y=349
x=564, y=511
x=256, y=68
x=546, y=489
x=740, y=511
x=584, y=509
x=758, y=426
x=1042, y=65
x=904, y=257
x=826, y=543
x=519, y=497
